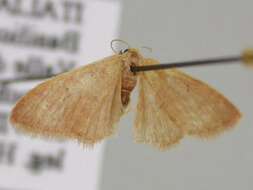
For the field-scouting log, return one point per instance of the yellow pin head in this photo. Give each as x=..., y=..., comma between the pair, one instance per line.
x=247, y=57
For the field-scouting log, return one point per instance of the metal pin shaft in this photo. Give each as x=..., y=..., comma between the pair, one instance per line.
x=186, y=64
x=23, y=79
x=212, y=61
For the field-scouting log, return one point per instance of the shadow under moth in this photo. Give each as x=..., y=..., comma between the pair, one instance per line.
x=86, y=103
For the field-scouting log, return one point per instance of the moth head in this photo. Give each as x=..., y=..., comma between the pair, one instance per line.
x=129, y=51
x=134, y=56
x=123, y=51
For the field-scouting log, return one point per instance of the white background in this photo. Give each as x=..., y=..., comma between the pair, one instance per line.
x=80, y=166
x=184, y=30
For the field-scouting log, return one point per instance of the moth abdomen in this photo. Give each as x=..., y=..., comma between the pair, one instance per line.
x=129, y=81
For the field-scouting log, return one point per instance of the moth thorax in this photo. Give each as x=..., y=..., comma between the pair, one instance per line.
x=129, y=80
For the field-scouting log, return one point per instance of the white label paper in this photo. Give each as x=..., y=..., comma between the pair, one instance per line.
x=40, y=38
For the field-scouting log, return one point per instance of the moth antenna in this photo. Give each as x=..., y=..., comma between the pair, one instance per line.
x=247, y=57
x=119, y=40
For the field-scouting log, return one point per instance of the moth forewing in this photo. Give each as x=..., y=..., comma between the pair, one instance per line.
x=172, y=104
x=201, y=110
x=82, y=104
x=153, y=124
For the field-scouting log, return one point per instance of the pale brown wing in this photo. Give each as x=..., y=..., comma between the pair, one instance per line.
x=154, y=124
x=172, y=103
x=82, y=104
x=202, y=111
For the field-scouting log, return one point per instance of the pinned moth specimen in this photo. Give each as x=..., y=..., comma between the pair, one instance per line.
x=87, y=103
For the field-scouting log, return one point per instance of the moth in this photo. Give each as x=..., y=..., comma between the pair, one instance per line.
x=87, y=103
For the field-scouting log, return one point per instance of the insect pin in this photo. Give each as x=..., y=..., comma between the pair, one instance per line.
x=87, y=103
